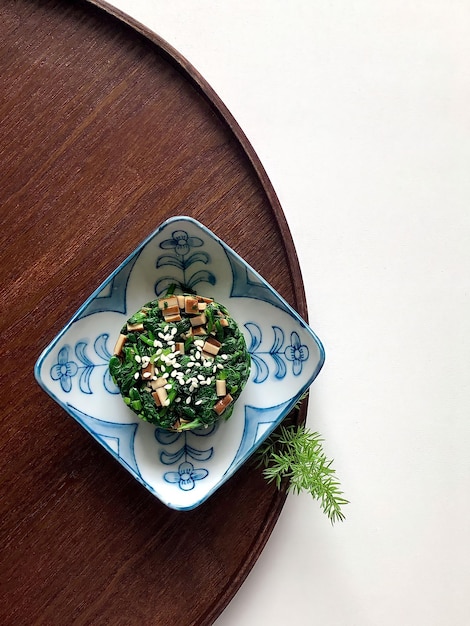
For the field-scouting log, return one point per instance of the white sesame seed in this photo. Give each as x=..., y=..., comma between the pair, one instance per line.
x=158, y=344
x=174, y=330
x=214, y=369
x=209, y=380
x=188, y=400
x=136, y=375
x=168, y=386
x=220, y=366
x=224, y=356
x=171, y=342
x=165, y=330
x=173, y=373
x=154, y=377
x=178, y=399
x=191, y=356
x=165, y=375
x=146, y=375
x=137, y=358
x=177, y=364
x=190, y=364
x=161, y=335
x=199, y=343
x=191, y=388
x=198, y=402
x=167, y=402
x=163, y=368
x=198, y=354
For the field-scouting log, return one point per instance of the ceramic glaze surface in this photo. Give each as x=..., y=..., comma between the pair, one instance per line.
x=182, y=469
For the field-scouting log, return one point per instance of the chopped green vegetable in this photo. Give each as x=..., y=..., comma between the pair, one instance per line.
x=176, y=389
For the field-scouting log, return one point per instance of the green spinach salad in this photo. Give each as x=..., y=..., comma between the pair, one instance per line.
x=181, y=362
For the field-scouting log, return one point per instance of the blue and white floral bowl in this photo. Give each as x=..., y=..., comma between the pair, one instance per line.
x=182, y=469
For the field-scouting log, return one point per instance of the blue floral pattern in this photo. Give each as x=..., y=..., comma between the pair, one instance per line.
x=187, y=474
x=296, y=352
x=182, y=259
x=64, y=370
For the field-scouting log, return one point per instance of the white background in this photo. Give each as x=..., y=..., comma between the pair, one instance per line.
x=359, y=111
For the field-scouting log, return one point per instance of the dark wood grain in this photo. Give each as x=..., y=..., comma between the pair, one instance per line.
x=105, y=132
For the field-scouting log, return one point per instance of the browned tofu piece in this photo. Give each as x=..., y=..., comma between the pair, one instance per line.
x=165, y=303
x=191, y=305
x=211, y=346
x=221, y=405
x=133, y=327
x=148, y=372
x=198, y=320
x=119, y=344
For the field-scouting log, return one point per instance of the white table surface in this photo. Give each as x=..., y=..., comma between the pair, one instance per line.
x=360, y=113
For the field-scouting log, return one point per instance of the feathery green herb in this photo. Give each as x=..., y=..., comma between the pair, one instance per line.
x=296, y=453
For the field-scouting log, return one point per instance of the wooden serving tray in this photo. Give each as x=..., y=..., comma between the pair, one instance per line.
x=105, y=132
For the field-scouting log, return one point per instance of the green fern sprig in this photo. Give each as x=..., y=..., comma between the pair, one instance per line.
x=296, y=453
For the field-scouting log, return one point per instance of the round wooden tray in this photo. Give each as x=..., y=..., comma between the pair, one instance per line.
x=107, y=131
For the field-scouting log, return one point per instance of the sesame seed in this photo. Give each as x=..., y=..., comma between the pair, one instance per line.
x=198, y=354
x=173, y=373
x=163, y=368
x=198, y=402
x=167, y=402
x=214, y=369
x=190, y=364
x=158, y=344
x=168, y=386
x=177, y=365
x=220, y=366
x=178, y=399
x=161, y=335
x=137, y=358
x=224, y=356
x=146, y=375
x=165, y=375
x=165, y=330
x=199, y=343
x=174, y=330
x=171, y=342
x=136, y=375
x=209, y=380
x=188, y=400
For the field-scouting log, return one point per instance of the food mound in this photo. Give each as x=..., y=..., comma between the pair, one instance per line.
x=181, y=362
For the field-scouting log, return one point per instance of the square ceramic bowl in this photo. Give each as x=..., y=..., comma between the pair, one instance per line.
x=181, y=469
